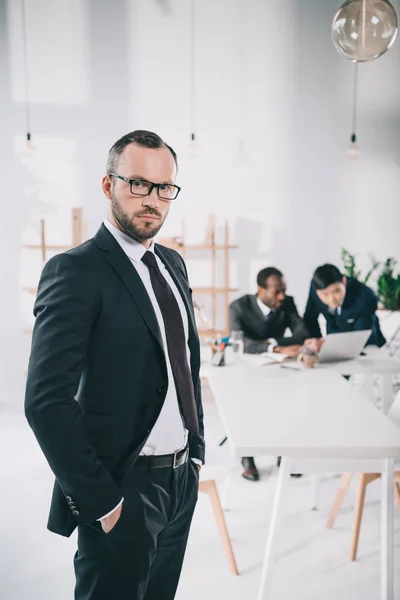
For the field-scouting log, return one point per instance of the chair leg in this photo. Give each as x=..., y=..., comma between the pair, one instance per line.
x=397, y=495
x=365, y=479
x=345, y=481
x=210, y=488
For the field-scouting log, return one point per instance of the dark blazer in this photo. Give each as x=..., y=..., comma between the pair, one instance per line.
x=358, y=313
x=97, y=375
x=245, y=315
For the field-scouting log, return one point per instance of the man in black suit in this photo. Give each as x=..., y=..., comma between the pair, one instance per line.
x=264, y=318
x=346, y=303
x=113, y=389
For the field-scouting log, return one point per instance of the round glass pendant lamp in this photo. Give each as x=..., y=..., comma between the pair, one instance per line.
x=363, y=30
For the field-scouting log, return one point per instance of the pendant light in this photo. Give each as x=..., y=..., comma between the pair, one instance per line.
x=194, y=146
x=241, y=158
x=28, y=150
x=363, y=30
x=353, y=150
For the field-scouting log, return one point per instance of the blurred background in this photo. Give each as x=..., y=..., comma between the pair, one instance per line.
x=260, y=85
x=258, y=105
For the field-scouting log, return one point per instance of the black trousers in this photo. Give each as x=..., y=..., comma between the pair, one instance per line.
x=141, y=557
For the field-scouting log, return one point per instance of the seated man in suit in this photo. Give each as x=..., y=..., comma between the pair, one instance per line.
x=346, y=304
x=264, y=318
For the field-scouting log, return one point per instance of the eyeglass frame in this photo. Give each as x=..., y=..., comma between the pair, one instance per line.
x=151, y=187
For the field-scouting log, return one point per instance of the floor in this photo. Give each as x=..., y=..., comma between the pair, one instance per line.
x=313, y=562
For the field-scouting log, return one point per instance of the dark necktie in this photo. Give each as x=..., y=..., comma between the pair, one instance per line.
x=268, y=321
x=176, y=343
x=270, y=316
x=338, y=319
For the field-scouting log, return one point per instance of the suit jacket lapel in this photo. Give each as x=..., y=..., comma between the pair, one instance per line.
x=256, y=309
x=123, y=267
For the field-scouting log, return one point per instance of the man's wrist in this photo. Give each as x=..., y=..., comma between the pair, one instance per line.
x=111, y=511
x=272, y=344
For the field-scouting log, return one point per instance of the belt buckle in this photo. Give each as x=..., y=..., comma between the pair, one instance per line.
x=174, y=465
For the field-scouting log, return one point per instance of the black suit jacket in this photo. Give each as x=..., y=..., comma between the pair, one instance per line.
x=97, y=375
x=245, y=315
x=357, y=314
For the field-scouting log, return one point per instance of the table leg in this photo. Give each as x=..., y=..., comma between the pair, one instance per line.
x=314, y=484
x=386, y=391
x=387, y=567
x=368, y=387
x=269, y=556
x=226, y=493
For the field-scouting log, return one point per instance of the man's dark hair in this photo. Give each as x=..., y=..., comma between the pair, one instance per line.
x=147, y=139
x=325, y=275
x=265, y=274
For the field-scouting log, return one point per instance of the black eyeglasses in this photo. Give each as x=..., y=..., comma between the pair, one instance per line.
x=141, y=187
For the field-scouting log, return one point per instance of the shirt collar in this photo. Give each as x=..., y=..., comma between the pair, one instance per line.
x=264, y=309
x=135, y=250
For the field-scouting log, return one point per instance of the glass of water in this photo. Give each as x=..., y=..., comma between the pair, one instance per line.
x=237, y=342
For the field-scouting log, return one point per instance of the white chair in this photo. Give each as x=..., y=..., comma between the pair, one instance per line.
x=365, y=479
x=208, y=485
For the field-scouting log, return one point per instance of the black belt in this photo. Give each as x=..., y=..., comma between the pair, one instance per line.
x=163, y=460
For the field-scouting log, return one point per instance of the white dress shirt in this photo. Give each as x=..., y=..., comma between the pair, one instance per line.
x=265, y=311
x=169, y=434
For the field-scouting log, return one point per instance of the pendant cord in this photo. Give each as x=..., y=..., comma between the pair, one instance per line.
x=242, y=71
x=355, y=102
x=192, y=68
x=26, y=73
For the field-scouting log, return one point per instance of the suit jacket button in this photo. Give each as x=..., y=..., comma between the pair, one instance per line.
x=75, y=513
x=68, y=498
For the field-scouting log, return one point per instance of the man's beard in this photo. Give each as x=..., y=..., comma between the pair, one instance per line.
x=145, y=232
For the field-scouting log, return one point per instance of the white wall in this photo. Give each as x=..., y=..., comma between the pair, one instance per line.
x=101, y=68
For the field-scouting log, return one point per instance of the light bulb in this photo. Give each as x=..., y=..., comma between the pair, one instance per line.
x=353, y=150
x=363, y=30
x=28, y=150
x=195, y=148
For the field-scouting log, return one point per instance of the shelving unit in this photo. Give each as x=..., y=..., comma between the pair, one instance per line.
x=78, y=235
x=215, y=290
x=219, y=285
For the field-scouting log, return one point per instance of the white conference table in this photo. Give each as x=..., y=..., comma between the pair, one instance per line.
x=267, y=410
x=376, y=362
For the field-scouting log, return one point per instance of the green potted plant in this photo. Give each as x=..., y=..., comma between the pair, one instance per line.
x=350, y=266
x=389, y=286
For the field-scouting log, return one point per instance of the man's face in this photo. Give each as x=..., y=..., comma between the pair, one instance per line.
x=334, y=294
x=273, y=293
x=140, y=217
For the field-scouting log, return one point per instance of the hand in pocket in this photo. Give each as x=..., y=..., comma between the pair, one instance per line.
x=108, y=523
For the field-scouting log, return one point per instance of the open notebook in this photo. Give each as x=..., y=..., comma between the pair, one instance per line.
x=273, y=358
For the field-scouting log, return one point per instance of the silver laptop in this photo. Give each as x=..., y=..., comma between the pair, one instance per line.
x=343, y=346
